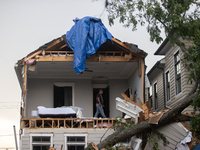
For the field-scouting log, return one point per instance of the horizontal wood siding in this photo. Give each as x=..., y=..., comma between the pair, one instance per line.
x=174, y=134
x=186, y=87
x=159, y=80
x=94, y=135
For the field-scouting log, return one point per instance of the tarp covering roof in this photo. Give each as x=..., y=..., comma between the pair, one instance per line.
x=85, y=38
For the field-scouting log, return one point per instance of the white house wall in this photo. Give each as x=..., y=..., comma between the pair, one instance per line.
x=135, y=82
x=93, y=135
x=116, y=87
x=40, y=93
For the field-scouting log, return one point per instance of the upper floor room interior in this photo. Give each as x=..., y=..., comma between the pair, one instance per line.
x=47, y=76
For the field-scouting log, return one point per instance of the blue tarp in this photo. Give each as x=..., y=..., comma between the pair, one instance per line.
x=197, y=147
x=85, y=38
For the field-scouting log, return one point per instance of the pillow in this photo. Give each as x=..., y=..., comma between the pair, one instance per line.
x=80, y=108
x=41, y=107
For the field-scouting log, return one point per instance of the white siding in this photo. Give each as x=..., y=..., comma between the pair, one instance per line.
x=186, y=87
x=94, y=135
x=174, y=134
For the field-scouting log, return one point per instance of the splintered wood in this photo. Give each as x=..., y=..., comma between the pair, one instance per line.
x=147, y=112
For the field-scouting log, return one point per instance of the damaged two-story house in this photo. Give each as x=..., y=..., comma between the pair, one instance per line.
x=58, y=104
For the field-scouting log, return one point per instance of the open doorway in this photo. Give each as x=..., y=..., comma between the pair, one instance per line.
x=105, y=99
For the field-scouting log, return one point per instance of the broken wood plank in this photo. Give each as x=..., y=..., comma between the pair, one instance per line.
x=141, y=116
x=156, y=118
x=32, y=67
x=139, y=101
x=32, y=55
x=129, y=100
x=132, y=97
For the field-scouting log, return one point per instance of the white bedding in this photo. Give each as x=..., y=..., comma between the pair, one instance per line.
x=55, y=111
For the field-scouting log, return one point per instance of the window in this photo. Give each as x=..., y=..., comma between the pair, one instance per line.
x=63, y=94
x=40, y=141
x=177, y=66
x=167, y=79
x=150, y=96
x=155, y=96
x=75, y=141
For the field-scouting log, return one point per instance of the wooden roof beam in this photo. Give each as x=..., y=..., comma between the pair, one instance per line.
x=126, y=48
x=125, y=58
x=59, y=43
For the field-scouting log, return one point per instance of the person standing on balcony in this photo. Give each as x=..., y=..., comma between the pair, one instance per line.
x=99, y=105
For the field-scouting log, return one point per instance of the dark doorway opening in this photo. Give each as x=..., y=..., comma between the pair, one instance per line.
x=62, y=96
x=105, y=99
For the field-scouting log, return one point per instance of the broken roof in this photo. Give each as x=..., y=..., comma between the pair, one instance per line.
x=100, y=44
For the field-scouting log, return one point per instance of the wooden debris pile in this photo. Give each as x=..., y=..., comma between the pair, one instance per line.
x=146, y=112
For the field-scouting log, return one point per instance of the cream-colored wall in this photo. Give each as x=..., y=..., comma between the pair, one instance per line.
x=186, y=87
x=160, y=93
x=93, y=135
x=135, y=82
x=116, y=87
x=40, y=93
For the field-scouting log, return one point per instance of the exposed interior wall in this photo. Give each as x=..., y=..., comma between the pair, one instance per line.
x=135, y=82
x=41, y=93
x=116, y=88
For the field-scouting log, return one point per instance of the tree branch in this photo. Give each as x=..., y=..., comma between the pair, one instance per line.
x=171, y=116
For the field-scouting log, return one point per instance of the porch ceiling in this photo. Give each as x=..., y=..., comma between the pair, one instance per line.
x=110, y=70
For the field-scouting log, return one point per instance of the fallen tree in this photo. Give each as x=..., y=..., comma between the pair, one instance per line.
x=179, y=19
x=173, y=115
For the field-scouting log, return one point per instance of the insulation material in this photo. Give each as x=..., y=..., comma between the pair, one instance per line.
x=30, y=61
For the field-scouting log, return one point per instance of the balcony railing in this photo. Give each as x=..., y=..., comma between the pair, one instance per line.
x=39, y=123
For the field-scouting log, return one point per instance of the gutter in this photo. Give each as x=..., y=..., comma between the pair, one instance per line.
x=161, y=46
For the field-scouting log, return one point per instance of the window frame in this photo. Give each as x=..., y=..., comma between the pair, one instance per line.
x=166, y=90
x=150, y=96
x=177, y=52
x=70, y=84
x=155, y=96
x=74, y=143
x=40, y=135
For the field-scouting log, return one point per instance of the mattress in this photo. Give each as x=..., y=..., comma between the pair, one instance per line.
x=65, y=112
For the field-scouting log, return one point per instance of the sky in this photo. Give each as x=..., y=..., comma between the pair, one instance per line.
x=25, y=25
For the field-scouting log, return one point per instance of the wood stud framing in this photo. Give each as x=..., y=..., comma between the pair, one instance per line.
x=37, y=123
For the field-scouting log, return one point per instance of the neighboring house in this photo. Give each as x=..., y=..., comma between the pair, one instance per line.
x=168, y=86
x=168, y=78
x=47, y=79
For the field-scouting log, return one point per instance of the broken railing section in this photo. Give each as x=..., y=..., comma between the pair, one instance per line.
x=140, y=112
x=37, y=123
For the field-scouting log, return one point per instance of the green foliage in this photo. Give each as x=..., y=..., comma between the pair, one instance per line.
x=167, y=15
x=155, y=136
x=120, y=122
x=115, y=147
x=178, y=19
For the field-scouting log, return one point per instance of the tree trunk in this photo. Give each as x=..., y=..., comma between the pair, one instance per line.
x=173, y=115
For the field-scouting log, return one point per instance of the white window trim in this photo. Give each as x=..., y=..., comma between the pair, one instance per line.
x=154, y=94
x=75, y=134
x=168, y=70
x=151, y=95
x=177, y=95
x=32, y=135
x=72, y=84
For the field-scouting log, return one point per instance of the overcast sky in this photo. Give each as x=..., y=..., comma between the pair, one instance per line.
x=25, y=25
